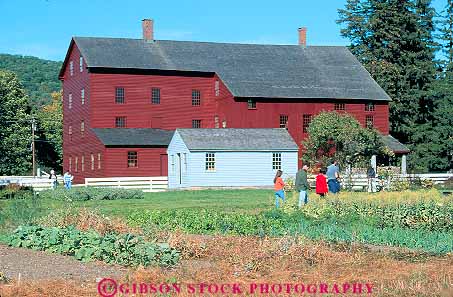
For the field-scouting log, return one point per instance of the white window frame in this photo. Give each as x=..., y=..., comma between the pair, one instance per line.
x=276, y=161
x=82, y=96
x=83, y=162
x=71, y=68
x=81, y=64
x=70, y=101
x=217, y=88
x=99, y=160
x=210, y=162
x=185, y=162
x=92, y=161
x=70, y=164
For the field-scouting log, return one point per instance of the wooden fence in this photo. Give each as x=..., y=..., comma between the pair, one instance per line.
x=160, y=183
x=146, y=184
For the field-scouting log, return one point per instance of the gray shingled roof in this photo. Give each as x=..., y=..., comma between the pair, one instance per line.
x=248, y=70
x=133, y=136
x=393, y=144
x=238, y=139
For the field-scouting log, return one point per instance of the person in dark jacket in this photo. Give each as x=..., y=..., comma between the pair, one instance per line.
x=371, y=176
x=302, y=185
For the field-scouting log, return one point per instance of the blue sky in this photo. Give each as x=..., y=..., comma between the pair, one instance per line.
x=43, y=28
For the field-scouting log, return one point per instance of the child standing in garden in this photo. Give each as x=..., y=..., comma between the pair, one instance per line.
x=321, y=183
x=278, y=187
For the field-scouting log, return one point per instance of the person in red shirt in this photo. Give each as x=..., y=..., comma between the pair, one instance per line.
x=321, y=183
x=278, y=187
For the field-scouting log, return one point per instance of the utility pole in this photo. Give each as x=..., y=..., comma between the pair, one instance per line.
x=33, y=128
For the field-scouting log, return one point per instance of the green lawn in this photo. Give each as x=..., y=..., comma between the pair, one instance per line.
x=247, y=200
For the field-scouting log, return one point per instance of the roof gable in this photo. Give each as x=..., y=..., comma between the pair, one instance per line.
x=237, y=139
x=248, y=70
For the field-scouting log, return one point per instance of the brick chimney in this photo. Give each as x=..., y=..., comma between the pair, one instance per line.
x=148, y=32
x=302, y=36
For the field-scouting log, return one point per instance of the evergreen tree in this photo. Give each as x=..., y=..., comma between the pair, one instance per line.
x=446, y=33
x=15, y=128
x=394, y=40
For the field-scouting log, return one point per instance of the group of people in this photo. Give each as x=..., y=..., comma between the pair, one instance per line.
x=327, y=180
x=67, y=179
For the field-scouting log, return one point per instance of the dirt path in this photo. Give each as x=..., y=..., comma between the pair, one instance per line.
x=38, y=265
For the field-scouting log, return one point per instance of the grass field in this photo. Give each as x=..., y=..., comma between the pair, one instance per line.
x=399, y=241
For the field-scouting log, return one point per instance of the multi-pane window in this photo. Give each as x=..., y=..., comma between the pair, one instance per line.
x=155, y=95
x=82, y=127
x=306, y=120
x=216, y=121
x=83, y=162
x=76, y=164
x=283, y=121
x=92, y=161
x=339, y=106
x=369, y=106
x=210, y=161
x=71, y=68
x=196, y=123
x=82, y=96
x=217, y=88
x=276, y=161
x=132, y=159
x=70, y=164
x=119, y=95
x=185, y=162
x=81, y=64
x=70, y=100
x=369, y=121
x=196, y=97
x=70, y=132
x=99, y=160
x=251, y=104
x=224, y=124
x=120, y=122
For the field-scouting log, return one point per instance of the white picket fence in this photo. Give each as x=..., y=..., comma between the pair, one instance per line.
x=146, y=184
x=361, y=181
x=160, y=183
x=38, y=183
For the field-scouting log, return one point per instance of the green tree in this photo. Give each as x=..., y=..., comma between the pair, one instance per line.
x=446, y=32
x=39, y=77
x=340, y=136
x=394, y=40
x=50, y=133
x=15, y=128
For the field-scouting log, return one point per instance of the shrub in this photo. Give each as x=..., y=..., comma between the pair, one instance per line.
x=87, y=193
x=13, y=191
x=123, y=249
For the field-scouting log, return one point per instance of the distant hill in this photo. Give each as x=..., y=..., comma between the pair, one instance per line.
x=39, y=77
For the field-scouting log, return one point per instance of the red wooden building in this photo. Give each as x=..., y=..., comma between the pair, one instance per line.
x=123, y=97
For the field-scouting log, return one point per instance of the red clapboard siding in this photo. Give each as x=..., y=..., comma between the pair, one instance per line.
x=174, y=111
x=88, y=143
x=149, y=162
x=268, y=111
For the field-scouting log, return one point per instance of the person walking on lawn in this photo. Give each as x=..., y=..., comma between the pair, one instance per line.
x=302, y=185
x=321, y=183
x=278, y=187
x=333, y=176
